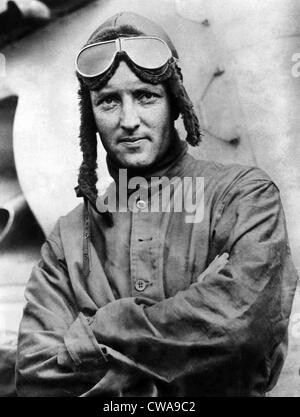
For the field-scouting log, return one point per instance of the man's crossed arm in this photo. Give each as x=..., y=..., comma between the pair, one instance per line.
x=217, y=331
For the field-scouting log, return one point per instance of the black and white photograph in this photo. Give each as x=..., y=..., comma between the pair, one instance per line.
x=149, y=200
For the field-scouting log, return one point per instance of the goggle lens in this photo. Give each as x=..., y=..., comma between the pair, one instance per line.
x=96, y=59
x=149, y=53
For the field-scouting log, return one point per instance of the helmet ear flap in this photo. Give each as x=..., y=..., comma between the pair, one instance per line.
x=183, y=105
x=175, y=111
x=87, y=178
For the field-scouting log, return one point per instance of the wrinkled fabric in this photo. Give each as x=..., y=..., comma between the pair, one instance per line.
x=103, y=333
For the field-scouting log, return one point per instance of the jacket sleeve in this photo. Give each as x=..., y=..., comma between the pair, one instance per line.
x=49, y=312
x=225, y=330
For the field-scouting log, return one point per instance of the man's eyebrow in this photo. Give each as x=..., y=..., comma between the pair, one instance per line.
x=149, y=88
x=135, y=89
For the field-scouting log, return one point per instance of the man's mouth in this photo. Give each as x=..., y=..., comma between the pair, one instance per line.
x=133, y=142
x=132, y=139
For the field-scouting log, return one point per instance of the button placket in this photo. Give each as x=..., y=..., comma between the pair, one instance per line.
x=146, y=276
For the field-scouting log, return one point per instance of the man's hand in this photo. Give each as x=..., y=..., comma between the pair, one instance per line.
x=215, y=266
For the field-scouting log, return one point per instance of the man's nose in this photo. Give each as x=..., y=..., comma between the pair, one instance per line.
x=129, y=116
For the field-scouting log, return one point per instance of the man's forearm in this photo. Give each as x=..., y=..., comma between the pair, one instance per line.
x=81, y=346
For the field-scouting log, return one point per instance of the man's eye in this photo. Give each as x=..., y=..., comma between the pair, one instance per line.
x=147, y=97
x=107, y=102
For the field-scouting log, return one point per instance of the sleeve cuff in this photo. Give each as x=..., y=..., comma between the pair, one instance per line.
x=82, y=345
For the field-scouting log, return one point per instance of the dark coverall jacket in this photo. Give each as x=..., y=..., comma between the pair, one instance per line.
x=118, y=311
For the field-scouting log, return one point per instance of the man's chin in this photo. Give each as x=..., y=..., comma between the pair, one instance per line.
x=136, y=163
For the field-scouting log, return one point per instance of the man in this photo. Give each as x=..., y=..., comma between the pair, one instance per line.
x=132, y=301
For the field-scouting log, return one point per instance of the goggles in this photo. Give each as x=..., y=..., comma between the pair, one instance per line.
x=145, y=51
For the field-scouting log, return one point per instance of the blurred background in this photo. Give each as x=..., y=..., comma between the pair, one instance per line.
x=241, y=67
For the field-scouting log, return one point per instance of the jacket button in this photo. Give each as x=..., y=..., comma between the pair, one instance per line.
x=141, y=204
x=140, y=285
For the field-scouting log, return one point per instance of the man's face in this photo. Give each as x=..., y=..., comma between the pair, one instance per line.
x=134, y=119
